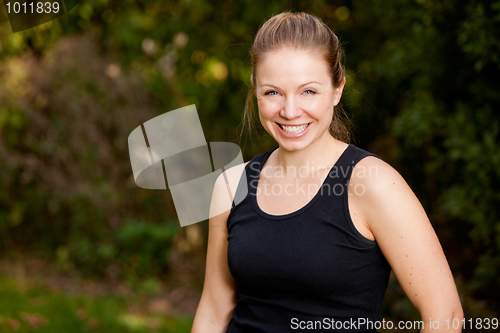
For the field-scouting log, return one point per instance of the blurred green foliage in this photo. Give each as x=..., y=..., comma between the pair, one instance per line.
x=36, y=309
x=422, y=89
x=137, y=250
x=441, y=66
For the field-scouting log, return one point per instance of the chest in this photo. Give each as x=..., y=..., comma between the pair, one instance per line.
x=310, y=252
x=280, y=195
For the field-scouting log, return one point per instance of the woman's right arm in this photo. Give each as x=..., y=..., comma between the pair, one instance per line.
x=218, y=298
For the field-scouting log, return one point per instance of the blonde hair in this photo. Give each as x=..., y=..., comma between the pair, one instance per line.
x=305, y=32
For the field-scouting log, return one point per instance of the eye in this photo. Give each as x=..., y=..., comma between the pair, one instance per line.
x=309, y=92
x=271, y=92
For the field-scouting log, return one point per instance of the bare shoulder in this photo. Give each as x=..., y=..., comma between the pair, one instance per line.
x=384, y=199
x=225, y=189
x=377, y=177
x=230, y=178
x=232, y=175
x=381, y=195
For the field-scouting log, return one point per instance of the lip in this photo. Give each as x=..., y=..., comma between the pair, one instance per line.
x=292, y=135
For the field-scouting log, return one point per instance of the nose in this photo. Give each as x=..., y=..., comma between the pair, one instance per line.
x=291, y=108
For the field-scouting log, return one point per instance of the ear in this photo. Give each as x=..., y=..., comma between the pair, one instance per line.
x=338, y=92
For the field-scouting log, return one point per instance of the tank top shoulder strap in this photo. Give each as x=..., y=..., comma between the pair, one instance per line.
x=348, y=160
x=250, y=177
x=254, y=167
x=354, y=154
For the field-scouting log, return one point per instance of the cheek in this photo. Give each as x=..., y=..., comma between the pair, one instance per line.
x=265, y=121
x=264, y=117
x=268, y=107
x=328, y=104
x=323, y=109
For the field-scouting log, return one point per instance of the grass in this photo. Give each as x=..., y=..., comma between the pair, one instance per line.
x=34, y=308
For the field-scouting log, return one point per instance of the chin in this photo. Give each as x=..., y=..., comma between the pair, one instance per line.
x=293, y=146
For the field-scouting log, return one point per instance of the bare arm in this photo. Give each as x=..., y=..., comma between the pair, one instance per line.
x=399, y=224
x=218, y=298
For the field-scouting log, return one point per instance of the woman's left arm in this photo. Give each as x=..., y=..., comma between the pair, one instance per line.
x=403, y=232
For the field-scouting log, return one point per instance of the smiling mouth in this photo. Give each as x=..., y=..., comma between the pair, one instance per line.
x=293, y=129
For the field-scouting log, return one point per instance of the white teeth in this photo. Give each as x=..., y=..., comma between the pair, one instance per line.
x=294, y=129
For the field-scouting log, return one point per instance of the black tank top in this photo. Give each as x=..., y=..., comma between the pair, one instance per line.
x=307, y=271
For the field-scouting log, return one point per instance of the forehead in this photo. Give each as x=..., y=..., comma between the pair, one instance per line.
x=291, y=65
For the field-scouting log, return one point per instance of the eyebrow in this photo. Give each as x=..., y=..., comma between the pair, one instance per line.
x=304, y=84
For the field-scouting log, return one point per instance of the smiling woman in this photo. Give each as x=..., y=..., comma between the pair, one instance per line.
x=316, y=39
x=315, y=246
x=296, y=101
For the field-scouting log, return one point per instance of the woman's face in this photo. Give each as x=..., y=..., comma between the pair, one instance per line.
x=295, y=97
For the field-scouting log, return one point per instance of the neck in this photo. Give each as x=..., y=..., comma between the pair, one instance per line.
x=316, y=157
